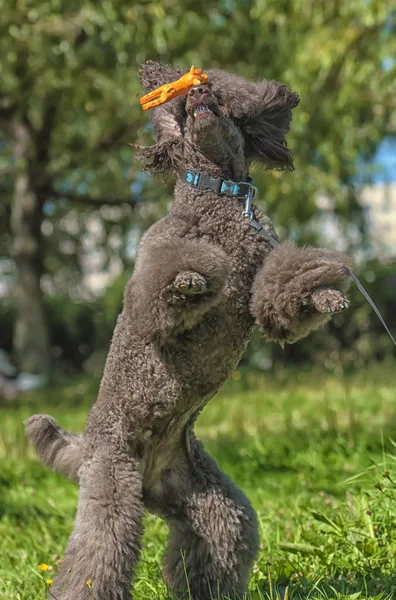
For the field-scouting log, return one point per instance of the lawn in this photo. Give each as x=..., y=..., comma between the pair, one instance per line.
x=314, y=453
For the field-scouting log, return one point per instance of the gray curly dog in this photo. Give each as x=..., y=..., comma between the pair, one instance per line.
x=203, y=280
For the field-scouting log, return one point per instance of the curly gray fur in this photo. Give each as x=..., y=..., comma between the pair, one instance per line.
x=57, y=448
x=203, y=280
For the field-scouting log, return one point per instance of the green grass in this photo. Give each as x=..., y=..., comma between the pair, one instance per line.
x=314, y=453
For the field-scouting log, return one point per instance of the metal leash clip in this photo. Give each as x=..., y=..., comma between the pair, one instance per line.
x=248, y=204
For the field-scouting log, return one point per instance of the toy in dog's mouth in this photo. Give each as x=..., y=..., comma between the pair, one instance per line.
x=168, y=91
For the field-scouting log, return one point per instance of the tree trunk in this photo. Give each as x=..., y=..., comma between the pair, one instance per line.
x=31, y=339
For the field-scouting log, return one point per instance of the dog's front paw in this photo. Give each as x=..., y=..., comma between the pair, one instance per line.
x=186, y=284
x=328, y=300
x=189, y=283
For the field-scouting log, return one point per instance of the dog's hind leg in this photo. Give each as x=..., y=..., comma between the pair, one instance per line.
x=105, y=544
x=213, y=536
x=59, y=449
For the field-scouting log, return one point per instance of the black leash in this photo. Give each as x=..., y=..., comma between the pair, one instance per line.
x=371, y=302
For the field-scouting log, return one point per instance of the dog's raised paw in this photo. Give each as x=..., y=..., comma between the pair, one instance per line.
x=189, y=282
x=327, y=300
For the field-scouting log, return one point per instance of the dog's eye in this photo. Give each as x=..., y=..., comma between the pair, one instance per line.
x=224, y=109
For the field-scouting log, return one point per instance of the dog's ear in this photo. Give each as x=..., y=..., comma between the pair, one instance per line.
x=167, y=119
x=153, y=74
x=263, y=113
x=265, y=132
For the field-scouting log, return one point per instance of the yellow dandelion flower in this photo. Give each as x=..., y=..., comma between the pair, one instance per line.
x=89, y=582
x=43, y=567
x=49, y=581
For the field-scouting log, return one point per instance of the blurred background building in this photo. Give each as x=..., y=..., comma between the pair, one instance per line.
x=379, y=203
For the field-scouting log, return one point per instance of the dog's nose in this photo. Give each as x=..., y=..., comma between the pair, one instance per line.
x=198, y=91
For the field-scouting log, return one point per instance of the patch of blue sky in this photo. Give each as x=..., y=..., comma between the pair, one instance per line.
x=385, y=161
x=381, y=168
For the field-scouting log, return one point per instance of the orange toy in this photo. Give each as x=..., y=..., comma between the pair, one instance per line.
x=167, y=92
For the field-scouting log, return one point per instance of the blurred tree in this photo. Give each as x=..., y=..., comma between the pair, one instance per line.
x=64, y=107
x=68, y=109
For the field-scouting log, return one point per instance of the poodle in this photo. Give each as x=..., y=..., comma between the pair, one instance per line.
x=203, y=280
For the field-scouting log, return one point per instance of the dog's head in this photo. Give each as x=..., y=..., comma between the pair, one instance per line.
x=220, y=126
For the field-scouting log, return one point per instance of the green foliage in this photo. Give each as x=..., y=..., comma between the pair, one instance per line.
x=72, y=331
x=314, y=454
x=68, y=73
x=72, y=61
x=76, y=66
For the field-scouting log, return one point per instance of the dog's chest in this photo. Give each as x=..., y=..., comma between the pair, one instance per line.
x=204, y=356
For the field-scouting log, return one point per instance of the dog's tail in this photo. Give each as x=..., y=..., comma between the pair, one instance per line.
x=59, y=449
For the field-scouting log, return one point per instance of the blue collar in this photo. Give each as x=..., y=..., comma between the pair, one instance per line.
x=223, y=187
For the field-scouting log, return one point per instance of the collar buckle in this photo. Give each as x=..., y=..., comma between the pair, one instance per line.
x=206, y=182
